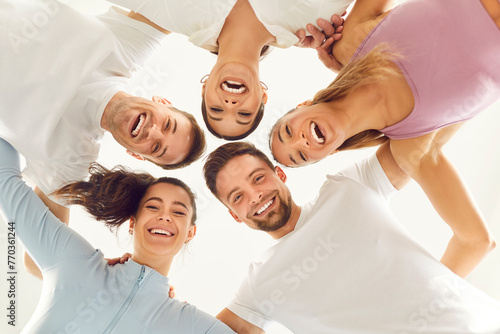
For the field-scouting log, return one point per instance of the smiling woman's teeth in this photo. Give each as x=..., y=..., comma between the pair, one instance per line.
x=135, y=132
x=316, y=133
x=262, y=209
x=233, y=87
x=160, y=231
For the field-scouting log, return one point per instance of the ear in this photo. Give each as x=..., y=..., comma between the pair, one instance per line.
x=135, y=155
x=306, y=103
x=281, y=174
x=132, y=223
x=264, y=96
x=333, y=152
x=160, y=99
x=191, y=234
x=235, y=216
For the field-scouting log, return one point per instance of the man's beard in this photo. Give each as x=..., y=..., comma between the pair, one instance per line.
x=276, y=219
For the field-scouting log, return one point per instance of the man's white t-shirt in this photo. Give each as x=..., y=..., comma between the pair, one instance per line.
x=202, y=21
x=350, y=267
x=58, y=70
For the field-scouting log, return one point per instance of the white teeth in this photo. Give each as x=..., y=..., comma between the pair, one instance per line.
x=240, y=90
x=315, y=135
x=160, y=231
x=262, y=209
x=135, y=132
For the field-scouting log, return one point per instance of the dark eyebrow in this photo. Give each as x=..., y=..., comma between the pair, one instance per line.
x=154, y=199
x=181, y=204
x=215, y=119
x=162, y=153
x=248, y=177
x=279, y=134
x=243, y=123
x=292, y=159
x=175, y=127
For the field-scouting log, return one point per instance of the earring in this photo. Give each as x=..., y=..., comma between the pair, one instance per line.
x=264, y=86
x=205, y=77
x=131, y=231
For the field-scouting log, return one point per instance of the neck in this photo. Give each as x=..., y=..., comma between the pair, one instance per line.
x=243, y=36
x=363, y=109
x=161, y=264
x=290, y=225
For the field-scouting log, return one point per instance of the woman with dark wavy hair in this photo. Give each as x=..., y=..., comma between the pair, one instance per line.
x=412, y=76
x=240, y=33
x=81, y=292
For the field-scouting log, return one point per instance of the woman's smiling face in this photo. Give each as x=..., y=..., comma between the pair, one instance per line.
x=163, y=222
x=304, y=136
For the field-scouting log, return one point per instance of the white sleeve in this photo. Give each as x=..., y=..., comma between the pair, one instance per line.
x=136, y=42
x=245, y=306
x=369, y=172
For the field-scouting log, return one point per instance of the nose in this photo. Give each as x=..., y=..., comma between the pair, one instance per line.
x=256, y=196
x=300, y=140
x=155, y=132
x=164, y=217
x=231, y=101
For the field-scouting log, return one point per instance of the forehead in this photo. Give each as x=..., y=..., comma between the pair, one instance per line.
x=168, y=193
x=237, y=170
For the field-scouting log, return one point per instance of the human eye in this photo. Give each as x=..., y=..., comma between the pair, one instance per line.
x=156, y=148
x=152, y=207
x=179, y=213
x=288, y=131
x=245, y=114
x=236, y=198
x=167, y=126
x=216, y=110
x=302, y=156
x=259, y=178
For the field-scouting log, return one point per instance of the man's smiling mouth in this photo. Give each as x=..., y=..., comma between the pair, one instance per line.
x=139, y=123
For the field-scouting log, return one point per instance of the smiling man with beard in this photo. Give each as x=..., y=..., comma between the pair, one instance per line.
x=341, y=263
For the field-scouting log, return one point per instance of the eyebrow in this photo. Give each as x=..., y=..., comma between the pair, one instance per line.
x=215, y=119
x=160, y=200
x=247, y=178
x=292, y=159
x=162, y=153
x=279, y=134
x=175, y=126
x=243, y=123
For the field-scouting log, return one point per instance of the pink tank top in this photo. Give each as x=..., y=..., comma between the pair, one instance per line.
x=450, y=57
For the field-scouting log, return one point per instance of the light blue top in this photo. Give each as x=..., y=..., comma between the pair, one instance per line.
x=81, y=293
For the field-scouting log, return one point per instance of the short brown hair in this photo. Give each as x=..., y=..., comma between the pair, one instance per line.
x=196, y=150
x=256, y=122
x=220, y=157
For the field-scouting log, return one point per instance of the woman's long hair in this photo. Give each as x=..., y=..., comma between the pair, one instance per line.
x=113, y=196
x=369, y=69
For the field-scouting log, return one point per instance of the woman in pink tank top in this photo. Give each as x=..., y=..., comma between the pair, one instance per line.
x=409, y=78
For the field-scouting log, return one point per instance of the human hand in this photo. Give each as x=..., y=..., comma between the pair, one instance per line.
x=330, y=30
x=120, y=260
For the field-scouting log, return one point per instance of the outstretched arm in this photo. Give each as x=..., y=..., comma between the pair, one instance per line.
x=62, y=213
x=423, y=159
x=46, y=239
x=237, y=324
x=142, y=18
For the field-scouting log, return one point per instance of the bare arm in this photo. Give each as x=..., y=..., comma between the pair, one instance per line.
x=141, y=18
x=60, y=212
x=237, y=324
x=423, y=159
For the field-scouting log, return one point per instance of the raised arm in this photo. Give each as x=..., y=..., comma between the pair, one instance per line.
x=142, y=18
x=422, y=158
x=45, y=238
x=237, y=324
x=62, y=213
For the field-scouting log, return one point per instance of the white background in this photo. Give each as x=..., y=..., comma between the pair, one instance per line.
x=208, y=273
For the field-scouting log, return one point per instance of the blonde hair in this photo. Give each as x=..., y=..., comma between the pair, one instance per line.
x=371, y=68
